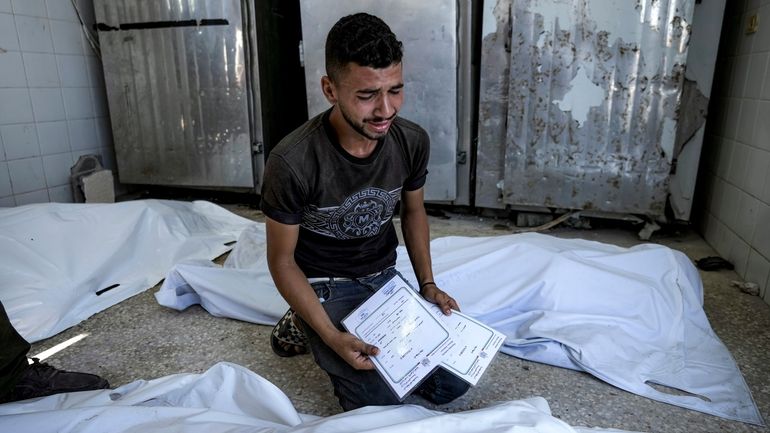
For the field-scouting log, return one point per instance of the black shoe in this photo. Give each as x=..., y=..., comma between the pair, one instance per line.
x=40, y=380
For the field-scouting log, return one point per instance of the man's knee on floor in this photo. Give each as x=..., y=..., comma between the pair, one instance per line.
x=443, y=387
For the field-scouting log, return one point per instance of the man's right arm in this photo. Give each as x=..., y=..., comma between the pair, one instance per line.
x=292, y=284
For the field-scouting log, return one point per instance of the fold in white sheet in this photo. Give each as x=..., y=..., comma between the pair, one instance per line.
x=230, y=398
x=55, y=258
x=628, y=316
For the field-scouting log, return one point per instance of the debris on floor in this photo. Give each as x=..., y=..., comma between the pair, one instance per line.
x=713, y=263
x=746, y=287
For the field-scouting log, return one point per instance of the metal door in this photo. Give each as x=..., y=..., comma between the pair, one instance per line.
x=429, y=32
x=578, y=102
x=178, y=90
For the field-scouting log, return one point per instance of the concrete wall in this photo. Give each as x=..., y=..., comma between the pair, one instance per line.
x=733, y=212
x=52, y=102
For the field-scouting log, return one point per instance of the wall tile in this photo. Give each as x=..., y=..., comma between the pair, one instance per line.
x=20, y=141
x=762, y=42
x=12, y=70
x=765, y=293
x=761, y=138
x=723, y=241
x=725, y=154
x=35, y=8
x=77, y=102
x=718, y=194
x=5, y=6
x=5, y=180
x=41, y=69
x=53, y=137
x=26, y=175
x=47, y=104
x=746, y=217
x=738, y=79
x=736, y=174
x=72, y=70
x=728, y=212
x=61, y=194
x=766, y=194
x=747, y=120
x=757, y=171
x=15, y=106
x=761, y=241
x=82, y=135
x=757, y=68
x=57, y=169
x=766, y=85
x=739, y=255
x=34, y=34
x=733, y=117
x=67, y=38
x=61, y=10
x=710, y=229
x=9, y=39
x=7, y=201
x=39, y=196
x=758, y=269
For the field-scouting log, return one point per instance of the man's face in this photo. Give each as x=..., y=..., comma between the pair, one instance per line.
x=367, y=98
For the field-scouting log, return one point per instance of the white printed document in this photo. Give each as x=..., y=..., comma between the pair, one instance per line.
x=415, y=337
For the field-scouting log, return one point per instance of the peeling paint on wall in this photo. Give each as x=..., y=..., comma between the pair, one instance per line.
x=591, y=103
x=582, y=95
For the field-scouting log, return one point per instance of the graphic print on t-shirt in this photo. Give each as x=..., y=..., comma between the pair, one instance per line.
x=361, y=215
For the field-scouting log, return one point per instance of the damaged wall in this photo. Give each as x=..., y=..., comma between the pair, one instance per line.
x=579, y=103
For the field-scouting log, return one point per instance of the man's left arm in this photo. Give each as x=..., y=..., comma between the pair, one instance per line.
x=414, y=226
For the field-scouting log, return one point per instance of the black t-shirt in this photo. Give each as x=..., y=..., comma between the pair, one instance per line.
x=343, y=204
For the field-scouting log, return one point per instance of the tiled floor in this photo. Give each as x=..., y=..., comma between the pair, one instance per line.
x=138, y=339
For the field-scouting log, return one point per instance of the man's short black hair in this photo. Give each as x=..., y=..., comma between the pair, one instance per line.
x=363, y=39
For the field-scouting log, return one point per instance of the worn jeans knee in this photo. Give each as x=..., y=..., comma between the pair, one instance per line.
x=357, y=388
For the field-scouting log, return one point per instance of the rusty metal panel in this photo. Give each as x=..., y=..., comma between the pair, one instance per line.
x=429, y=31
x=592, y=98
x=176, y=79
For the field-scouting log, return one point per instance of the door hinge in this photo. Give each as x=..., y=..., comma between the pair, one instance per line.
x=257, y=148
x=462, y=157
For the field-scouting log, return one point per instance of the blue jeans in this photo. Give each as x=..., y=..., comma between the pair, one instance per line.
x=358, y=388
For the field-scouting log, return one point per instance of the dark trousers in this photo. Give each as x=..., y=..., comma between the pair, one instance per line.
x=356, y=388
x=13, y=354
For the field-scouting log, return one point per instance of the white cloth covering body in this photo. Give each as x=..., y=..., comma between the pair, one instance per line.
x=230, y=398
x=629, y=316
x=57, y=259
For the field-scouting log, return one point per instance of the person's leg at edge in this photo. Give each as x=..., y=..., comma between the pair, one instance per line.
x=13, y=356
x=20, y=381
